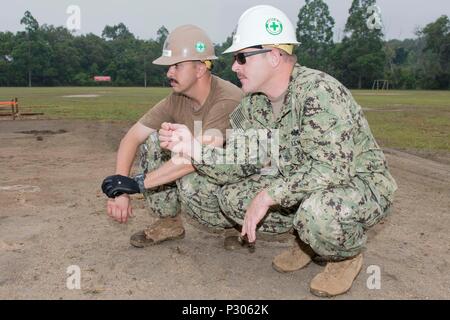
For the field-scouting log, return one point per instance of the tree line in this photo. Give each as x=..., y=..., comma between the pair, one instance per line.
x=45, y=55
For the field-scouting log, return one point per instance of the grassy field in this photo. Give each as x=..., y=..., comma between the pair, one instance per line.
x=110, y=104
x=414, y=120
x=408, y=119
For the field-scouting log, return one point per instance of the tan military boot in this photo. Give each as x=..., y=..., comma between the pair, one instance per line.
x=169, y=228
x=337, y=278
x=293, y=259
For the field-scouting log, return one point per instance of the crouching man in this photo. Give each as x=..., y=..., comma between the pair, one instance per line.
x=168, y=183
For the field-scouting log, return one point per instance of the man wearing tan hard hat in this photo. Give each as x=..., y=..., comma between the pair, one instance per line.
x=202, y=102
x=327, y=179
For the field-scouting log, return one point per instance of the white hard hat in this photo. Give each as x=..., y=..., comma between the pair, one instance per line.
x=262, y=25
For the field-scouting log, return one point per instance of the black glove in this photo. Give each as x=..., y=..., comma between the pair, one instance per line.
x=114, y=186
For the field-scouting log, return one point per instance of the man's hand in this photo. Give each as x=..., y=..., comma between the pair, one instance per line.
x=120, y=208
x=255, y=212
x=116, y=185
x=177, y=138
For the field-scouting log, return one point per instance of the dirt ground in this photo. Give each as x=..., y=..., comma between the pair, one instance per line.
x=52, y=216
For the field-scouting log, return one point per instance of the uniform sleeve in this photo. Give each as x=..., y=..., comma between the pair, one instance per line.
x=160, y=113
x=221, y=167
x=238, y=158
x=326, y=138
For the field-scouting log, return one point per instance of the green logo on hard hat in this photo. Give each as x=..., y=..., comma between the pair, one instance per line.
x=274, y=26
x=200, y=47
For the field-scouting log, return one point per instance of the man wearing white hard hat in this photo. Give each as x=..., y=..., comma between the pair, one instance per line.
x=329, y=178
x=168, y=183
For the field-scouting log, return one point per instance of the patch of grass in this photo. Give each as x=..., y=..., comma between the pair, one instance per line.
x=408, y=119
x=399, y=119
x=394, y=99
x=110, y=104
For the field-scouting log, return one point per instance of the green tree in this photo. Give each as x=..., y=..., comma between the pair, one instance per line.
x=94, y=57
x=437, y=38
x=154, y=49
x=119, y=31
x=402, y=64
x=360, y=58
x=6, y=58
x=63, y=59
x=124, y=66
x=32, y=29
x=222, y=66
x=315, y=33
x=31, y=24
x=161, y=35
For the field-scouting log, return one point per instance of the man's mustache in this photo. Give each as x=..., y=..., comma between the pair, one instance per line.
x=241, y=76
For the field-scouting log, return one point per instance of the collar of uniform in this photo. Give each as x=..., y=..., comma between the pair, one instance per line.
x=287, y=105
x=262, y=109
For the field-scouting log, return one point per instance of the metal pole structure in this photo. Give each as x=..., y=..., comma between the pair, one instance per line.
x=145, y=72
x=29, y=59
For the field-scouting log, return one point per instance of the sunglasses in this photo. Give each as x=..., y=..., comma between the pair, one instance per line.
x=240, y=57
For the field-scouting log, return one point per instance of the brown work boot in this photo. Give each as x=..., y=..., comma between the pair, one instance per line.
x=337, y=278
x=293, y=259
x=169, y=228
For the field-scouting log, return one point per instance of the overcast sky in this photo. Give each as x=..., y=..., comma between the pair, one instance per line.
x=401, y=18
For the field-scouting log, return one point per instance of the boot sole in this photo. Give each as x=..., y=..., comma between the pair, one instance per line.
x=323, y=294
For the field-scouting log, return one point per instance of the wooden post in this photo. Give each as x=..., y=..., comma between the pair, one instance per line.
x=13, y=110
x=17, y=106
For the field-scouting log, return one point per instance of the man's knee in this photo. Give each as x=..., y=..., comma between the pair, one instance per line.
x=195, y=186
x=151, y=155
x=329, y=226
x=198, y=199
x=234, y=200
x=197, y=193
x=231, y=202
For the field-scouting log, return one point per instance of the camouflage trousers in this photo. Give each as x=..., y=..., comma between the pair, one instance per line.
x=192, y=194
x=202, y=200
x=332, y=221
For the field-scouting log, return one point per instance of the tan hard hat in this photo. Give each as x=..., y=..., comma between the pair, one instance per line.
x=186, y=43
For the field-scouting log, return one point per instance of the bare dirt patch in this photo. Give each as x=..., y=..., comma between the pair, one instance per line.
x=35, y=132
x=63, y=222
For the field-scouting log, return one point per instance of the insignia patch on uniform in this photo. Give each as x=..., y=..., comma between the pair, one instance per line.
x=238, y=120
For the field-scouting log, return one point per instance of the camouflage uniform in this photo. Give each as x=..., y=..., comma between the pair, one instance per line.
x=192, y=193
x=331, y=180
